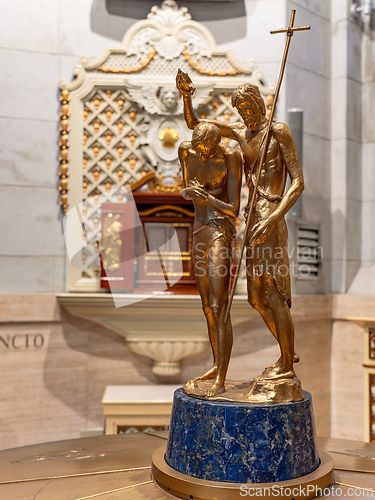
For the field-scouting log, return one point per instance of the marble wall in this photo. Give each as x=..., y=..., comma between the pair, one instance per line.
x=53, y=391
x=55, y=367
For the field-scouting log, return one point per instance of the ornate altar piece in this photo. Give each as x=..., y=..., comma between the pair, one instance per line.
x=122, y=121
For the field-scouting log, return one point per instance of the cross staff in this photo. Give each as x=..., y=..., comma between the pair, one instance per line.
x=289, y=33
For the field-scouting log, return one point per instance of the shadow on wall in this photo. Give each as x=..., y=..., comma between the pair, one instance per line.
x=112, y=18
x=83, y=358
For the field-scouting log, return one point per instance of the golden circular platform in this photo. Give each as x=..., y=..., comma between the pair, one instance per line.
x=119, y=468
x=187, y=487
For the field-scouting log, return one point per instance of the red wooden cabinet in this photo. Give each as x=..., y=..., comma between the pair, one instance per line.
x=137, y=251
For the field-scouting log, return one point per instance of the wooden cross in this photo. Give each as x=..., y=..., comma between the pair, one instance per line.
x=289, y=32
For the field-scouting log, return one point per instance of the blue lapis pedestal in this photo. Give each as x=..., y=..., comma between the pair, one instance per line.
x=220, y=446
x=240, y=442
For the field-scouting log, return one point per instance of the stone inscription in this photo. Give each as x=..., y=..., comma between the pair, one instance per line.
x=22, y=341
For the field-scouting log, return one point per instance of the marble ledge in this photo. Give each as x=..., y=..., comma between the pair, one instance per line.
x=20, y=308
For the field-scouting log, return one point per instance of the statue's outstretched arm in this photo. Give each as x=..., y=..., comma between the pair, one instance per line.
x=187, y=89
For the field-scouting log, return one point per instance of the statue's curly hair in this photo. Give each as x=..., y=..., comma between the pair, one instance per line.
x=206, y=132
x=250, y=93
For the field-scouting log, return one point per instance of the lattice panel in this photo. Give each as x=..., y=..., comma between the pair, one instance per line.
x=111, y=152
x=111, y=159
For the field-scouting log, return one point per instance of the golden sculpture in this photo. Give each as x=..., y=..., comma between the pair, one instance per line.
x=270, y=155
x=212, y=179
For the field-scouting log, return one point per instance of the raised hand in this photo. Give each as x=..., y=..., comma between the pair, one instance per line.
x=184, y=84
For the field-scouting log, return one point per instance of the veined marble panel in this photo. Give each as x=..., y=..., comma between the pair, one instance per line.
x=28, y=153
x=347, y=381
x=310, y=93
x=354, y=171
x=29, y=86
x=22, y=274
x=261, y=17
x=29, y=26
x=316, y=167
x=368, y=110
x=321, y=9
x=31, y=222
x=78, y=28
x=308, y=49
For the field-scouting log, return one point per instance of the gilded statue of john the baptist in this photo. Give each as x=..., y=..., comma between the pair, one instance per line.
x=268, y=277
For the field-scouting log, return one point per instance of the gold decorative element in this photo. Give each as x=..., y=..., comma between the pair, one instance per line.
x=64, y=126
x=96, y=148
x=85, y=184
x=141, y=66
x=209, y=72
x=85, y=137
x=64, y=153
x=215, y=104
x=120, y=149
x=86, y=112
x=108, y=161
x=108, y=92
x=108, y=185
x=85, y=160
x=108, y=114
x=120, y=174
x=63, y=184
x=162, y=208
x=227, y=116
x=156, y=185
x=96, y=124
x=120, y=126
x=120, y=102
x=64, y=141
x=65, y=110
x=63, y=170
x=97, y=101
x=132, y=138
x=108, y=137
x=65, y=96
x=132, y=114
x=96, y=173
x=132, y=162
x=168, y=136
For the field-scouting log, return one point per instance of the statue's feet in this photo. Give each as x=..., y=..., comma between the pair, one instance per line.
x=277, y=364
x=191, y=384
x=277, y=372
x=216, y=389
x=210, y=375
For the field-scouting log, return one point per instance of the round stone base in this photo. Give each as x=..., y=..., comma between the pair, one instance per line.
x=191, y=488
x=242, y=442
